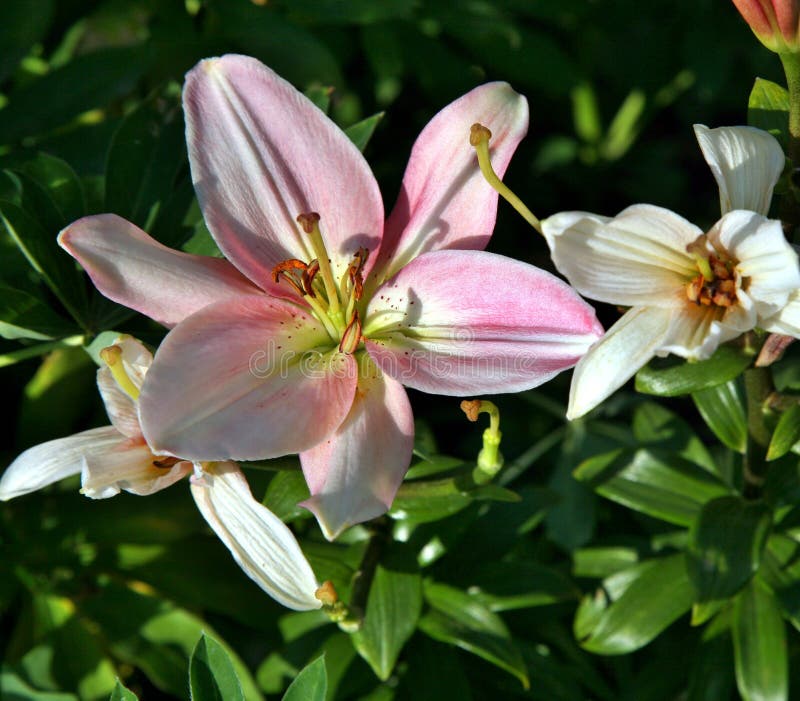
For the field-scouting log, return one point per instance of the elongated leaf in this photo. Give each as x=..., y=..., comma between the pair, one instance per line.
x=664, y=487
x=759, y=643
x=120, y=693
x=686, y=377
x=144, y=158
x=786, y=433
x=722, y=408
x=320, y=96
x=24, y=316
x=62, y=185
x=633, y=606
x=211, y=673
x=42, y=252
x=285, y=491
x=602, y=561
x=311, y=684
x=64, y=93
x=361, y=132
x=710, y=678
x=768, y=108
x=504, y=586
x=393, y=608
x=725, y=546
x=14, y=688
x=459, y=619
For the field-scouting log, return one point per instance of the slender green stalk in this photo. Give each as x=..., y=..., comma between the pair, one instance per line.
x=759, y=388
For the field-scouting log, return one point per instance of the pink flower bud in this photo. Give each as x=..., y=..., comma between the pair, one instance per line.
x=774, y=22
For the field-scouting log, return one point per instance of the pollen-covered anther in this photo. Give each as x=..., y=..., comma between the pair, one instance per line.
x=715, y=288
x=288, y=270
x=479, y=134
x=308, y=277
x=354, y=272
x=166, y=463
x=352, y=335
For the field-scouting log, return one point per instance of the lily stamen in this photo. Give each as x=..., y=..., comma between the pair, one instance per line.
x=479, y=137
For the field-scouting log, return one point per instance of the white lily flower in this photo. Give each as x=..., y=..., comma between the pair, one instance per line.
x=116, y=457
x=688, y=291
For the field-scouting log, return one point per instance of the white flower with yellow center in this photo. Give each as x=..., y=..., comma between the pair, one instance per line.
x=688, y=290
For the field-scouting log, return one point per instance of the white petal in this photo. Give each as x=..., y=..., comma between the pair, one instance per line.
x=638, y=258
x=121, y=409
x=131, y=467
x=766, y=262
x=52, y=461
x=613, y=360
x=787, y=320
x=697, y=331
x=746, y=163
x=259, y=541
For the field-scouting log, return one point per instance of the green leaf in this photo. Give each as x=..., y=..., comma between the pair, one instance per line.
x=361, y=132
x=710, y=678
x=459, y=619
x=88, y=81
x=633, y=606
x=311, y=684
x=24, y=316
x=664, y=487
x=285, y=491
x=120, y=693
x=722, y=408
x=60, y=182
x=393, y=608
x=786, y=434
x=768, y=109
x=44, y=255
x=504, y=586
x=144, y=158
x=759, y=644
x=725, y=546
x=602, y=561
x=14, y=688
x=211, y=673
x=21, y=26
x=668, y=379
x=320, y=96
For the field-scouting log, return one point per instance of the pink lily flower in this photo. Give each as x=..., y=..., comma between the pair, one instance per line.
x=305, y=345
x=116, y=457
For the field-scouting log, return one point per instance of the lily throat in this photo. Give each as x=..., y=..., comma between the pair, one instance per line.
x=335, y=303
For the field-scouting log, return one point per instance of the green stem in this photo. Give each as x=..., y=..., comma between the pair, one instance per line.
x=759, y=389
x=362, y=579
x=791, y=67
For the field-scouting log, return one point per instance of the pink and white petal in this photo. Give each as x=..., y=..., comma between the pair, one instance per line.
x=697, y=331
x=638, y=258
x=259, y=541
x=746, y=163
x=470, y=322
x=120, y=407
x=133, y=468
x=246, y=380
x=444, y=201
x=765, y=259
x=611, y=362
x=787, y=320
x=261, y=153
x=133, y=269
x=50, y=462
x=354, y=474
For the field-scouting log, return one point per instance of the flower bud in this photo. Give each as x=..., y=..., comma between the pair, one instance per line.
x=774, y=22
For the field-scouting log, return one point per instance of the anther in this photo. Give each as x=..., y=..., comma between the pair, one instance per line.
x=308, y=277
x=352, y=335
x=288, y=270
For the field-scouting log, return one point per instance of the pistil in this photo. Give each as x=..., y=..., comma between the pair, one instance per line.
x=479, y=137
x=309, y=222
x=112, y=357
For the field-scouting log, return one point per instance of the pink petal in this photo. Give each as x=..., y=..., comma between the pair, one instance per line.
x=471, y=322
x=259, y=541
x=444, y=200
x=354, y=474
x=131, y=268
x=262, y=153
x=245, y=379
x=132, y=467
